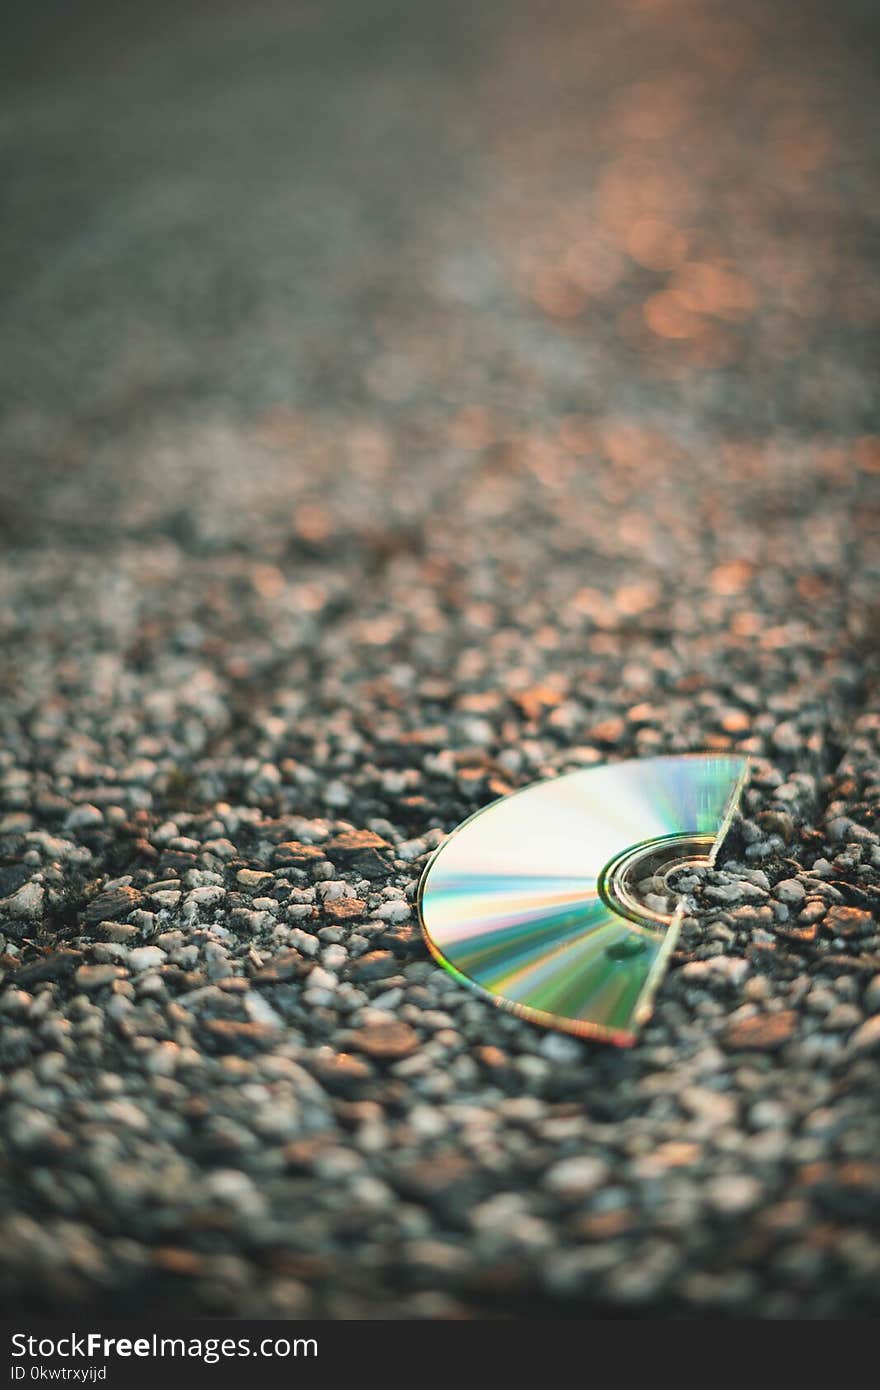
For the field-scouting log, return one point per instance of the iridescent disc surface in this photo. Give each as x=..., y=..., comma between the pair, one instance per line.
x=511, y=901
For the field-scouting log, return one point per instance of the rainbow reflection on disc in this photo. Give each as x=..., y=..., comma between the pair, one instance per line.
x=524, y=903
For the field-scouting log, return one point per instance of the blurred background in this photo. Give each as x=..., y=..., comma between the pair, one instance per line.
x=403, y=402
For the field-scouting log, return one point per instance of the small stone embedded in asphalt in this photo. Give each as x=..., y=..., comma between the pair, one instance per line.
x=734, y=1194
x=350, y=845
x=866, y=1038
x=52, y=966
x=91, y=977
x=26, y=902
x=111, y=905
x=143, y=957
x=575, y=1177
x=761, y=1032
x=344, y=909
x=342, y=1074
x=388, y=1041
x=851, y=921
x=251, y=879
x=375, y=965
x=790, y=891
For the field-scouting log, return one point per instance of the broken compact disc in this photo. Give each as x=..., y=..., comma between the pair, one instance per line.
x=538, y=900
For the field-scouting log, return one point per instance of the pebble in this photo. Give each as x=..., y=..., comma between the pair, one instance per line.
x=715, y=1109
x=559, y=1047
x=872, y=995
x=389, y=1000
x=394, y=911
x=167, y=899
x=849, y=921
x=733, y=1194
x=259, y=1010
x=761, y=1032
x=25, y=904
x=731, y=968
x=385, y=1040
x=252, y=878
x=92, y=977
x=790, y=891
x=111, y=905
x=866, y=1039
x=576, y=1177
x=83, y=817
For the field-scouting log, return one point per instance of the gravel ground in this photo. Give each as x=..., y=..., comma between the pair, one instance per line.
x=406, y=403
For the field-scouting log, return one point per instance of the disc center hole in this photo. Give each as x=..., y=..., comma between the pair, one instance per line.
x=649, y=882
x=682, y=877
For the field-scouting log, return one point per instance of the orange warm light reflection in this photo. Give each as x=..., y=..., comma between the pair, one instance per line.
x=657, y=225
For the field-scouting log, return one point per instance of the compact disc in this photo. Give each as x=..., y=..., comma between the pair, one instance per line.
x=538, y=900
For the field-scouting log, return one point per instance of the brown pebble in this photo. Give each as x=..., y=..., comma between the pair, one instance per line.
x=603, y=1225
x=763, y=1032
x=285, y=966
x=107, y=906
x=343, y=909
x=859, y=1173
x=353, y=842
x=388, y=1041
x=173, y=1260
x=491, y=1057
x=49, y=967
x=735, y=721
x=437, y=1173
x=798, y=933
x=301, y=1153
x=292, y=852
x=228, y=1034
x=341, y=1073
x=375, y=965
x=252, y=878
x=848, y=921
x=535, y=701
x=91, y=977
x=609, y=731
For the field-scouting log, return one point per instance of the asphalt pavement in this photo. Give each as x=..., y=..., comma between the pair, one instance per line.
x=402, y=403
